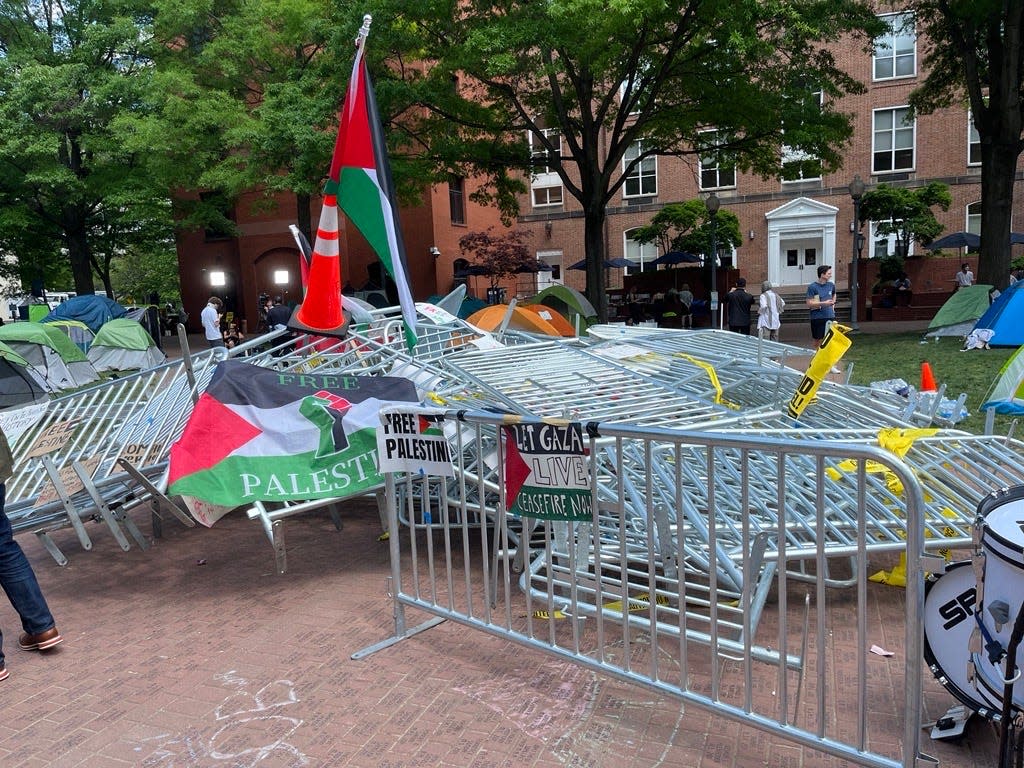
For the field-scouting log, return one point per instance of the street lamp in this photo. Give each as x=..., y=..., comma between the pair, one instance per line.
x=713, y=204
x=856, y=192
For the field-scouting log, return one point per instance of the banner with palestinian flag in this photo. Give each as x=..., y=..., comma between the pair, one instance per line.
x=261, y=434
x=360, y=176
x=546, y=472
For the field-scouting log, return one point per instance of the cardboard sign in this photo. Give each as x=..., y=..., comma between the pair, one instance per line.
x=69, y=478
x=55, y=436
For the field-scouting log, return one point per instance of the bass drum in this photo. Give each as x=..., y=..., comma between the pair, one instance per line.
x=1002, y=541
x=948, y=622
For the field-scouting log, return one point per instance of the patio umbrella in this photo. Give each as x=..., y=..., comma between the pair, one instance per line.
x=956, y=240
x=608, y=264
x=677, y=257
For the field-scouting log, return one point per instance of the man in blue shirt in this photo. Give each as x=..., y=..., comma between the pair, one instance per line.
x=821, y=298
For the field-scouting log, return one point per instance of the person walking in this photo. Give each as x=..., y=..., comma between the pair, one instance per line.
x=210, y=317
x=964, y=278
x=739, y=303
x=19, y=580
x=821, y=298
x=769, y=312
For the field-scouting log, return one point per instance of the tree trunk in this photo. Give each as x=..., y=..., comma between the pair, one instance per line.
x=303, y=218
x=78, y=252
x=594, y=246
x=999, y=164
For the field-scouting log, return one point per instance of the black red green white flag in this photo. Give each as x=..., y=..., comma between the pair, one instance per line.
x=360, y=176
x=261, y=434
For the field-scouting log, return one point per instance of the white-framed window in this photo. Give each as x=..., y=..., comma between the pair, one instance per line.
x=973, y=142
x=884, y=245
x=892, y=140
x=717, y=166
x=538, y=150
x=896, y=49
x=642, y=178
x=974, y=218
x=641, y=253
x=545, y=183
x=546, y=196
x=798, y=165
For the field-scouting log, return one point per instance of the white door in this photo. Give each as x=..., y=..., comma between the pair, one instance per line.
x=799, y=260
x=554, y=260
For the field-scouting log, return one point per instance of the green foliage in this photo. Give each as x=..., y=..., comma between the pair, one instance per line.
x=602, y=77
x=71, y=184
x=972, y=50
x=906, y=211
x=878, y=357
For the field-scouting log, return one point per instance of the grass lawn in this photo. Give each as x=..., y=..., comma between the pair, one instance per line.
x=877, y=357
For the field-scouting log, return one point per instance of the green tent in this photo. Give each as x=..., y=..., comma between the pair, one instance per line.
x=123, y=345
x=568, y=302
x=60, y=363
x=960, y=312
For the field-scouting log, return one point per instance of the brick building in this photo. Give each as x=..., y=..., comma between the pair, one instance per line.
x=790, y=224
x=264, y=258
x=794, y=222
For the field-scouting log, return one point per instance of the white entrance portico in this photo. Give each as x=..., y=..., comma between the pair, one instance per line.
x=801, y=236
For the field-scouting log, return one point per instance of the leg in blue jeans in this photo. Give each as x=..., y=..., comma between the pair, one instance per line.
x=19, y=581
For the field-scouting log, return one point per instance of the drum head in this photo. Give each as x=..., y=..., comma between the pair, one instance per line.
x=948, y=623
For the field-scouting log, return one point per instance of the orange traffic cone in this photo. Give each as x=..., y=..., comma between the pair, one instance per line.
x=320, y=312
x=927, y=380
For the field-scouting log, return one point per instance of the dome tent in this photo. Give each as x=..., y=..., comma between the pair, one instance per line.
x=53, y=355
x=91, y=309
x=124, y=345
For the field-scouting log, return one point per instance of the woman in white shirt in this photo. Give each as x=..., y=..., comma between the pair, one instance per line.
x=769, y=312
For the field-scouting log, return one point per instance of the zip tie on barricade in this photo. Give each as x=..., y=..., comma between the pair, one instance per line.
x=592, y=429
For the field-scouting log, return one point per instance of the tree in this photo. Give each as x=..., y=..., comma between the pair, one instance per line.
x=906, y=212
x=687, y=227
x=71, y=186
x=973, y=51
x=600, y=87
x=501, y=255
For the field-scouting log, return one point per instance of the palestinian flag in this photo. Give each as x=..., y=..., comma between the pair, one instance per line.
x=360, y=176
x=260, y=434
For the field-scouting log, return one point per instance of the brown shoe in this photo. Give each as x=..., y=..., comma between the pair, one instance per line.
x=41, y=641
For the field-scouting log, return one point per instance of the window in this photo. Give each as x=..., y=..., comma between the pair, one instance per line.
x=545, y=160
x=546, y=185
x=642, y=178
x=797, y=164
x=973, y=142
x=974, y=218
x=457, y=199
x=717, y=167
x=892, y=141
x=886, y=244
x=642, y=254
x=895, y=51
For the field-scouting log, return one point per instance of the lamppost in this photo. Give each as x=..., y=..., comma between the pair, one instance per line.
x=856, y=192
x=713, y=204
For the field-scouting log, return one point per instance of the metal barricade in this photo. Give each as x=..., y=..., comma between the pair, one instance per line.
x=632, y=591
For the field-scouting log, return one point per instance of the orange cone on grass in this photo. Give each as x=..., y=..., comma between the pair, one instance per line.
x=927, y=379
x=321, y=310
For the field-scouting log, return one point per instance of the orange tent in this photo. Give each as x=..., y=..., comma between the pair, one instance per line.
x=490, y=319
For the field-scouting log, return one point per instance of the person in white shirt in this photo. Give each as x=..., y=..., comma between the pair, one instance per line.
x=210, y=317
x=964, y=277
x=769, y=312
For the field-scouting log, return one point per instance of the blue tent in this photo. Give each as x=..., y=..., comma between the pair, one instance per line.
x=90, y=309
x=1005, y=317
